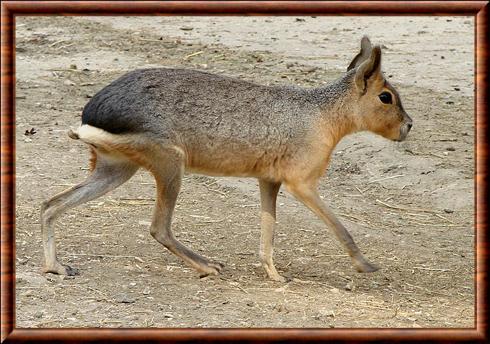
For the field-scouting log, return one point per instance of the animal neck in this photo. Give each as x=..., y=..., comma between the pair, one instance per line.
x=336, y=103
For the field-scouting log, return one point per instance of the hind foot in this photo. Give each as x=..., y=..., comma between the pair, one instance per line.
x=61, y=269
x=362, y=265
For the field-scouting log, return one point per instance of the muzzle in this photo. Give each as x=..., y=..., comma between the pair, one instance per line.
x=404, y=129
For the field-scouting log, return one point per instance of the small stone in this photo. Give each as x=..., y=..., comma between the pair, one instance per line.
x=281, y=308
x=451, y=149
x=29, y=293
x=73, y=66
x=258, y=58
x=68, y=82
x=349, y=286
x=448, y=211
x=38, y=314
x=326, y=313
x=124, y=298
x=186, y=28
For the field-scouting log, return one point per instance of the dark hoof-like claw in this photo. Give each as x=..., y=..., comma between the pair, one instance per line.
x=212, y=269
x=217, y=266
x=60, y=269
x=71, y=271
x=362, y=265
x=367, y=267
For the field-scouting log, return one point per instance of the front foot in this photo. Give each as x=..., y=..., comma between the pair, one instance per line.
x=210, y=268
x=61, y=269
x=271, y=271
x=278, y=278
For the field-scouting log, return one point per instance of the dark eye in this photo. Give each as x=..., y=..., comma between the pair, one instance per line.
x=385, y=97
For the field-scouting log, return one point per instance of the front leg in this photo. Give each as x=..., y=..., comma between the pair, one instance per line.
x=307, y=194
x=268, y=196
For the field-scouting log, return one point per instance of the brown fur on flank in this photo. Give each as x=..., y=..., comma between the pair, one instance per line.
x=170, y=121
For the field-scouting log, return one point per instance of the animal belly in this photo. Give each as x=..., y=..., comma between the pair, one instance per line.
x=229, y=161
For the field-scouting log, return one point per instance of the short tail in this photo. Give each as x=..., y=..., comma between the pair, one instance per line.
x=93, y=155
x=100, y=141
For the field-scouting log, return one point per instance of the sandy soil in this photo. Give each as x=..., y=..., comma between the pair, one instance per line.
x=410, y=205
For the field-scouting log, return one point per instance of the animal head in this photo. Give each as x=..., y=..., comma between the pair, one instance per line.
x=378, y=106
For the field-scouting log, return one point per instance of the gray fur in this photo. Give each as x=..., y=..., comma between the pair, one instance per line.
x=190, y=107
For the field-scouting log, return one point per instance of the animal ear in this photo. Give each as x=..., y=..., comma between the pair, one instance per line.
x=363, y=55
x=369, y=70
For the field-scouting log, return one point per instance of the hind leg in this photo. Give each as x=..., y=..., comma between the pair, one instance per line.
x=107, y=175
x=168, y=179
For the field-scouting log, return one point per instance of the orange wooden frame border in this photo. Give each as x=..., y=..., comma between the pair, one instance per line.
x=10, y=9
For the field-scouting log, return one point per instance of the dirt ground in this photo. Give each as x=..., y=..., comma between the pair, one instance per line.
x=409, y=205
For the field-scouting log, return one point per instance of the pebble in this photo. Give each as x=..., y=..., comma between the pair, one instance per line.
x=349, y=286
x=29, y=293
x=281, y=308
x=124, y=298
x=326, y=313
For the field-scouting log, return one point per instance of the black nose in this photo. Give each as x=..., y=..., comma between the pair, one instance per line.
x=409, y=125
